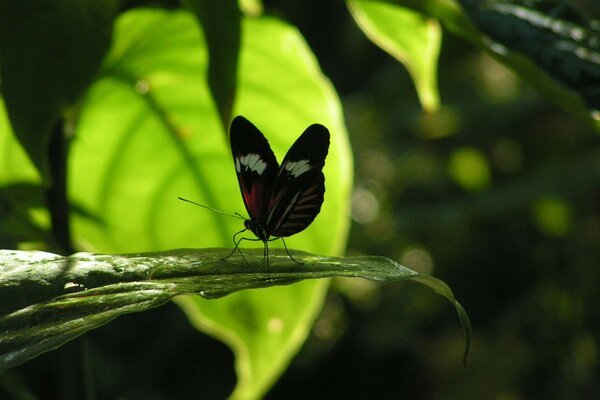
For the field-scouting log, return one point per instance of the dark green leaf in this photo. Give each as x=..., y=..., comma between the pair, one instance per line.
x=47, y=299
x=554, y=50
x=552, y=35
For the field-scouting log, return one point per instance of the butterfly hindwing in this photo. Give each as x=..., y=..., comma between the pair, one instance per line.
x=255, y=165
x=298, y=205
x=298, y=191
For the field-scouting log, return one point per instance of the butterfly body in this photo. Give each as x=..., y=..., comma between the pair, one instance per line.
x=256, y=228
x=281, y=200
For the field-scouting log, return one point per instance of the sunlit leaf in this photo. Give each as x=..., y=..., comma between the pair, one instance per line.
x=410, y=37
x=149, y=132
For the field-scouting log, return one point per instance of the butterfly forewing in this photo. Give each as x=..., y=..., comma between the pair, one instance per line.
x=255, y=165
x=297, y=193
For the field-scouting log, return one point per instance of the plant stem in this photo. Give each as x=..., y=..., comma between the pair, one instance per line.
x=56, y=194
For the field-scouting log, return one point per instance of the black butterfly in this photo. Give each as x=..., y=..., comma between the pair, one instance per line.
x=280, y=200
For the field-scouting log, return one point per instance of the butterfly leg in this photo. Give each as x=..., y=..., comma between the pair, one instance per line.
x=288, y=253
x=266, y=254
x=237, y=246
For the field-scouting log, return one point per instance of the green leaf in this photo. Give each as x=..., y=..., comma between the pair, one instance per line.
x=49, y=53
x=15, y=167
x=552, y=51
x=444, y=290
x=47, y=299
x=149, y=132
x=410, y=37
x=223, y=47
x=16, y=223
x=21, y=193
x=565, y=47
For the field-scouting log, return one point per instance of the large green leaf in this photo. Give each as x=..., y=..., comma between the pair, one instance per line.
x=148, y=132
x=47, y=299
x=410, y=37
x=49, y=53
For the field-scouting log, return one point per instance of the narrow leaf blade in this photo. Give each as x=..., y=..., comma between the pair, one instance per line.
x=62, y=297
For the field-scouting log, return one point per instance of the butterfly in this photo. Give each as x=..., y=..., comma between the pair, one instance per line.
x=281, y=200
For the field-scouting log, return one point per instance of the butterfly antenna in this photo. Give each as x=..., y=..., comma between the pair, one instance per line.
x=236, y=215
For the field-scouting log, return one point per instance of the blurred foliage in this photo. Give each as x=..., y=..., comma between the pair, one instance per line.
x=523, y=247
x=497, y=193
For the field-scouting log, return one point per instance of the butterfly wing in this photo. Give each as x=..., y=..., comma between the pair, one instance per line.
x=255, y=165
x=298, y=191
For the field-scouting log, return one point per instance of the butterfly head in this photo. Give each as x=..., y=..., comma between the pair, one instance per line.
x=256, y=228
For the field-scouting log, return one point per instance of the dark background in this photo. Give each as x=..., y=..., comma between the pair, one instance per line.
x=520, y=251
